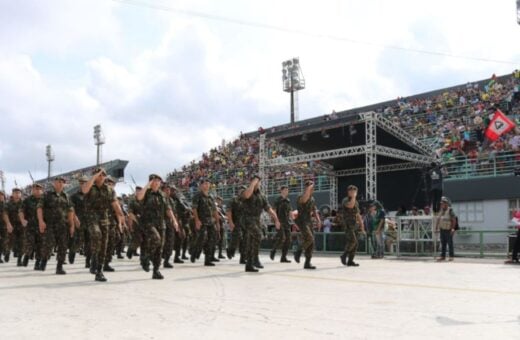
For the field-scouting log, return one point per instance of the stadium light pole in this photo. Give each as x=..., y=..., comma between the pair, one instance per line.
x=292, y=80
x=50, y=158
x=99, y=141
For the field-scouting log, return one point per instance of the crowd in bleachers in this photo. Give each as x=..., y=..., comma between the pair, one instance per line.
x=453, y=123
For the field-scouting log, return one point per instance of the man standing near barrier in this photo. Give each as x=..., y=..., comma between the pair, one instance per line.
x=351, y=218
x=306, y=210
x=446, y=223
x=282, y=207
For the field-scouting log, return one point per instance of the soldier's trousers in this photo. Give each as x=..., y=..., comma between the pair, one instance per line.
x=237, y=239
x=113, y=238
x=136, y=237
x=307, y=239
x=32, y=241
x=74, y=241
x=221, y=239
x=154, y=244
x=169, y=241
x=4, y=240
x=206, y=240
x=253, y=237
x=98, y=231
x=283, y=238
x=55, y=235
x=180, y=238
x=351, y=241
x=18, y=239
x=85, y=238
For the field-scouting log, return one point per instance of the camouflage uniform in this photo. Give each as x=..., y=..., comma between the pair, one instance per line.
x=114, y=236
x=32, y=233
x=17, y=237
x=237, y=235
x=81, y=237
x=4, y=236
x=155, y=206
x=349, y=221
x=304, y=222
x=169, y=237
x=182, y=213
x=252, y=209
x=99, y=202
x=206, y=238
x=282, y=207
x=56, y=207
x=137, y=232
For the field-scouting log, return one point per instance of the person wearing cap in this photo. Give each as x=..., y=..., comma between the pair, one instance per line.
x=32, y=244
x=445, y=223
x=306, y=206
x=6, y=229
x=282, y=240
x=183, y=214
x=81, y=224
x=169, y=236
x=100, y=199
x=14, y=207
x=253, y=203
x=350, y=219
x=115, y=232
x=55, y=220
x=135, y=211
x=207, y=224
x=377, y=229
x=234, y=217
x=156, y=209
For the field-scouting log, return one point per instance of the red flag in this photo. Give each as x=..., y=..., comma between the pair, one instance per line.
x=498, y=126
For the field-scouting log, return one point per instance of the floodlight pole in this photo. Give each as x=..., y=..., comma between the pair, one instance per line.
x=292, y=106
x=99, y=141
x=50, y=158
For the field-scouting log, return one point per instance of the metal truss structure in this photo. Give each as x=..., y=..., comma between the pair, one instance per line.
x=380, y=169
x=317, y=156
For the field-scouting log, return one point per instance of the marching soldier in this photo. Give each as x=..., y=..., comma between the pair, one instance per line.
x=81, y=224
x=234, y=216
x=183, y=213
x=56, y=219
x=206, y=224
x=169, y=238
x=253, y=202
x=100, y=199
x=282, y=207
x=33, y=242
x=17, y=237
x=156, y=209
x=351, y=217
x=222, y=232
x=115, y=230
x=5, y=229
x=134, y=216
x=306, y=211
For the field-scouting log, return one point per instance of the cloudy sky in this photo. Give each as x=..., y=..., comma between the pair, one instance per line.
x=168, y=80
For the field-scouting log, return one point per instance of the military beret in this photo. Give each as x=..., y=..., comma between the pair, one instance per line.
x=37, y=185
x=204, y=180
x=16, y=189
x=154, y=176
x=83, y=179
x=60, y=178
x=99, y=169
x=308, y=182
x=352, y=187
x=138, y=188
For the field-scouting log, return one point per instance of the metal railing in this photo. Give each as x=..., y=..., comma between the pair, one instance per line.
x=499, y=165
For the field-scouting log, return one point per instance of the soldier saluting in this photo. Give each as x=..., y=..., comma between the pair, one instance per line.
x=306, y=210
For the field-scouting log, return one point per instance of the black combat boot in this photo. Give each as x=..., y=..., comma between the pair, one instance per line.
x=43, y=265
x=343, y=258
x=184, y=257
x=129, y=253
x=250, y=267
x=37, y=264
x=272, y=254
x=145, y=264
x=166, y=263
x=284, y=257
x=108, y=268
x=1, y=261
x=297, y=255
x=351, y=262
x=25, y=261
x=230, y=253
x=59, y=269
x=220, y=256
x=119, y=254
x=177, y=258
x=157, y=274
x=87, y=262
x=72, y=257
x=308, y=264
x=208, y=261
x=93, y=265
x=19, y=261
x=242, y=259
x=257, y=262
x=193, y=256
x=6, y=257
x=99, y=274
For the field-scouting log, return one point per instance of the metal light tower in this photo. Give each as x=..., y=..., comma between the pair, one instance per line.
x=99, y=140
x=50, y=158
x=292, y=78
x=2, y=180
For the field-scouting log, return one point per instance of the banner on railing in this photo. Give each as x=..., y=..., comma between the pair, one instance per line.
x=498, y=126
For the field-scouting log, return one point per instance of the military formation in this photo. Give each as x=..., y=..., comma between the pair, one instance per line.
x=158, y=225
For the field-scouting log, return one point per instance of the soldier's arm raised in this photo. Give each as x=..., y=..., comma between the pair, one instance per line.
x=90, y=182
x=140, y=195
x=249, y=191
x=306, y=194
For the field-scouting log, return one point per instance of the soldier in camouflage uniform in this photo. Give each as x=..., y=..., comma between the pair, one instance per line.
x=222, y=220
x=81, y=224
x=17, y=239
x=56, y=219
x=282, y=206
x=183, y=214
x=350, y=218
x=206, y=224
x=169, y=237
x=5, y=229
x=114, y=230
x=253, y=202
x=306, y=211
x=234, y=217
x=135, y=211
x=100, y=200
x=33, y=242
x=156, y=208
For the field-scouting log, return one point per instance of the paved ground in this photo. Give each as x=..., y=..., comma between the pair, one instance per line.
x=381, y=299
